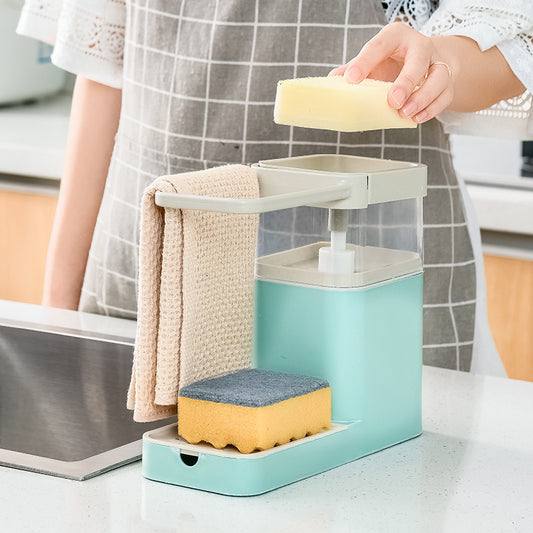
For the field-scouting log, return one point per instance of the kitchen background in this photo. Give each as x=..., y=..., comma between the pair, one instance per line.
x=34, y=111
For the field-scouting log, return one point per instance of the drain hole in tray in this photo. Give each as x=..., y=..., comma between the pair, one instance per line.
x=189, y=460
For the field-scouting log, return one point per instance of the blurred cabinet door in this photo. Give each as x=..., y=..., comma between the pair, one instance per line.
x=510, y=310
x=25, y=225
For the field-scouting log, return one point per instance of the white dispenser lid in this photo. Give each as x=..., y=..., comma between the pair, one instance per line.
x=371, y=181
x=322, y=180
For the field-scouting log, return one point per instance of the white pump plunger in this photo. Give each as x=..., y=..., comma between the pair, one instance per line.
x=337, y=259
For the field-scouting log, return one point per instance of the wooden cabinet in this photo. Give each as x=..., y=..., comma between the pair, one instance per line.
x=26, y=220
x=510, y=310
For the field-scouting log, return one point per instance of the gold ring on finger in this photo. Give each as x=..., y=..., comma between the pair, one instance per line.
x=444, y=65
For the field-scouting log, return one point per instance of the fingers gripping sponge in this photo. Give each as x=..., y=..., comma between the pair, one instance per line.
x=253, y=409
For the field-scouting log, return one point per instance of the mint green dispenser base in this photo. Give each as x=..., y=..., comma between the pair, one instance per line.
x=367, y=342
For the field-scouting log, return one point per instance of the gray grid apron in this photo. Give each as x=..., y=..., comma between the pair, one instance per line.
x=198, y=90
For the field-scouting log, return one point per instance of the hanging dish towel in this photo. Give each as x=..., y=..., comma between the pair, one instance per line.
x=196, y=269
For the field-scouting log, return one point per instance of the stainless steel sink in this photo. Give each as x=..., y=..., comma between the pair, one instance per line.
x=63, y=402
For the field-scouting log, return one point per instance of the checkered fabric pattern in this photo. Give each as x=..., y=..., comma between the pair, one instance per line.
x=199, y=84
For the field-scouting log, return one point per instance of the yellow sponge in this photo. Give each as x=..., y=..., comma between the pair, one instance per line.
x=253, y=409
x=334, y=104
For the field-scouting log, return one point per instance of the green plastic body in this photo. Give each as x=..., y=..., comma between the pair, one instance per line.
x=366, y=342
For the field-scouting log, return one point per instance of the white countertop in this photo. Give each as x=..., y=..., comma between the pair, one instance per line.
x=43, y=318
x=33, y=137
x=471, y=470
x=491, y=169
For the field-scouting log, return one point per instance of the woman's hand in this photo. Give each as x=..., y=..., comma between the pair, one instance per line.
x=423, y=78
x=431, y=74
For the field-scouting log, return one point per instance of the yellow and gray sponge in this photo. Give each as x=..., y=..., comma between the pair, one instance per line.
x=253, y=409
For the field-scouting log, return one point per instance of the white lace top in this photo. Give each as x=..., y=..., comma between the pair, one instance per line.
x=89, y=40
x=88, y=37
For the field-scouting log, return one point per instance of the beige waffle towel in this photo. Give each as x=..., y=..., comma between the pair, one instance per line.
x=195, y=312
